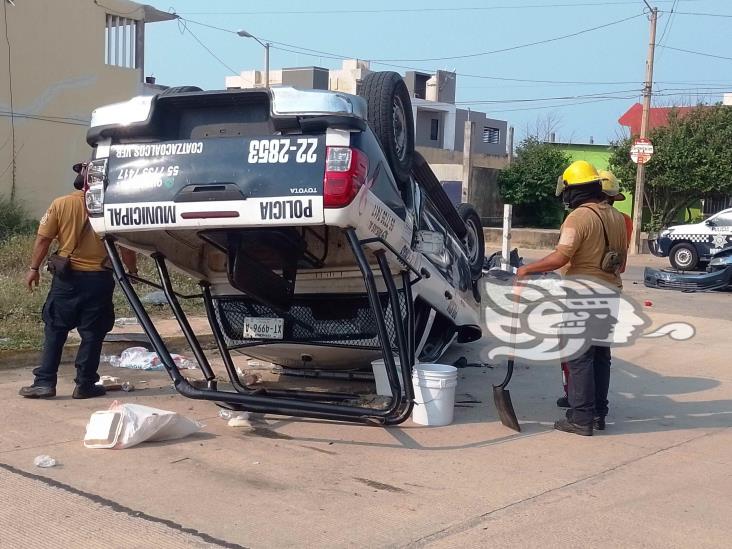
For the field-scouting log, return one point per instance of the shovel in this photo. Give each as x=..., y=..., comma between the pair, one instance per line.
x=501, y=396
x=502, y=400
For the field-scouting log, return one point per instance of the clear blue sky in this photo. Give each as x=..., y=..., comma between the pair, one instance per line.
x=610, y=60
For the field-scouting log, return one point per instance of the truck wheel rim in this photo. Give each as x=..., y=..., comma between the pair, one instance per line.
x=683, y=258
x=400, y=128
x=471, y=241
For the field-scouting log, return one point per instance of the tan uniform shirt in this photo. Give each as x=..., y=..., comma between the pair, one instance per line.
x=581, y=239
x=64, y=221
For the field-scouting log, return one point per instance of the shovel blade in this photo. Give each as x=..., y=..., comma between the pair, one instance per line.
x=506, y=413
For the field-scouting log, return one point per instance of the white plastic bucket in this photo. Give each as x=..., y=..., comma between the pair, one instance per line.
x=434, y=394
x=382, y=382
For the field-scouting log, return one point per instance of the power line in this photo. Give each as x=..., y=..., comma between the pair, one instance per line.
x=656, y=82
x=562, y=105
x=291, y=48
x=696, y=52
x=184, y=28
x=683, y=93
x=4, y=114
x=300, y=50
x=517, y=47
x=310, y=52
x=424, y=10
x=27, y=115
x=532, y=99
x=667, y=26
x=722, y=15
x=710, y=88
x=181, y=18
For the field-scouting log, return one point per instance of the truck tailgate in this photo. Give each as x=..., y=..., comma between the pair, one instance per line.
x=232, y=181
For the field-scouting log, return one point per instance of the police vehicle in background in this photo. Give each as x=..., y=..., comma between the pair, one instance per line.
x=690, y=246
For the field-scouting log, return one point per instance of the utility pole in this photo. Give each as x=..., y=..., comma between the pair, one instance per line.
x=639, y=196
x=468, y=130
x=266, y=64
x=510, y=145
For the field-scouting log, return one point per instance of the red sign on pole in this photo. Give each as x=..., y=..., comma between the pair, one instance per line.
x=641, y=151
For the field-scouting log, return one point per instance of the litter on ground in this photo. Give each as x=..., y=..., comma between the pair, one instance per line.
x=139, y=358
x=125, y=321
x=44, y=461
x=127, y=425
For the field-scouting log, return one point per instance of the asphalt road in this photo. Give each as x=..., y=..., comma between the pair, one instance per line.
x=658, y=477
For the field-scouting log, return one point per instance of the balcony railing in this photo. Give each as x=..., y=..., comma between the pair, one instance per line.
x=124, y=42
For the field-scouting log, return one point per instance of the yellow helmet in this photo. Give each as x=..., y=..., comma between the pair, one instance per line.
x=611, y=185
x=579, y=172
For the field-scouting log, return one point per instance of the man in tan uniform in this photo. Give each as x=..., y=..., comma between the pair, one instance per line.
x=592, y=246
x=80, y=298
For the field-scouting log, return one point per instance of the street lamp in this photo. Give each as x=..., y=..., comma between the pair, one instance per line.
x=265, y=45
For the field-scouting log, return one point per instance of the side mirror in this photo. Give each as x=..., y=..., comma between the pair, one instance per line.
x=710, y=223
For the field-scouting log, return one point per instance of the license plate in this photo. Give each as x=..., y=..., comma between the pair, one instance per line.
x=263, y=328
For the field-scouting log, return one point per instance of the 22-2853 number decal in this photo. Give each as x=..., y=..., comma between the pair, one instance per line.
x=277, y=151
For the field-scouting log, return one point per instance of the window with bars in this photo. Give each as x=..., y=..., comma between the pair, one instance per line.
x=120, y=42
x=491, y=135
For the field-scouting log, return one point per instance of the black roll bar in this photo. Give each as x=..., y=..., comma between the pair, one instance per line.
x=290, y=403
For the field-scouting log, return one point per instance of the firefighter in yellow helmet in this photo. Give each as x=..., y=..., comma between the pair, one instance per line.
x=592, y=247
x=611, y=188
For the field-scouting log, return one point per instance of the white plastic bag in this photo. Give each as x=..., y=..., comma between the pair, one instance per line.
x=139, y=358
x=145, y=424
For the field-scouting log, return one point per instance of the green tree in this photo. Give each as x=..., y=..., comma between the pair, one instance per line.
x=692, y=159
x=529, y=183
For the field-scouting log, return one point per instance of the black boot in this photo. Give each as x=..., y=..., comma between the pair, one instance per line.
x=563, y=402
x=89, y=391
x=569, y=427
x=37, y=391
x=598, y=423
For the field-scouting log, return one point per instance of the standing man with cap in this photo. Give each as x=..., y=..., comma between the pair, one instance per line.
x=592, y=245
x=80, y=295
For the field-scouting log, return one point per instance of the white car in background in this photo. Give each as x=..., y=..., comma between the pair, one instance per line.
x=690, y=246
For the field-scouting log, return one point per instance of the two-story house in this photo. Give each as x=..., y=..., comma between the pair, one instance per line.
x=59, y=60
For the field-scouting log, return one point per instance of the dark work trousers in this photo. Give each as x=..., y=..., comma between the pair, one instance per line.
x=589, y=382
x=81, y=300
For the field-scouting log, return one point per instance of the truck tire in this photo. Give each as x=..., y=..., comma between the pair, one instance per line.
x=684, y=257
x=180, y=89
x=428, y=182
x=390, y=118
x=474, y=239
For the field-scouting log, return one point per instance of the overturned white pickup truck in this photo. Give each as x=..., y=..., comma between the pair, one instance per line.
x=320, y=238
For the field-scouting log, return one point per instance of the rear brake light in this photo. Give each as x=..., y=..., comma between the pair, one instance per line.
x=96, y=175
x=345, y=173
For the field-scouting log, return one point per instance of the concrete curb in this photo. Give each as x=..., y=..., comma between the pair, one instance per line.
x=10, y=360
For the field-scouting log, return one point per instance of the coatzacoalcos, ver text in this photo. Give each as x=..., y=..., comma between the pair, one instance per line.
x=141, y=215
x=158, y=149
